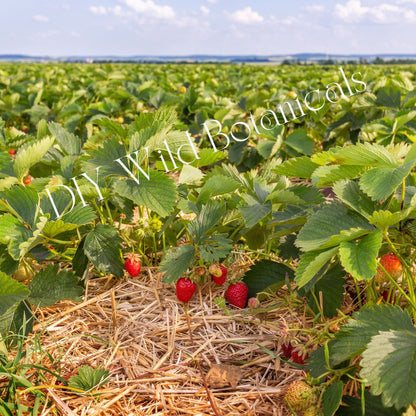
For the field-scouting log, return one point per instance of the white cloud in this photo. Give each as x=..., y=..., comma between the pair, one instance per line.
x=75, y=34
x=40, y=18
x=205, y=10
x=147, y=8
x=354, y=12
x=98, y=10
x=212, y=1
x=246, y=16
x=315, y=8
x=118, y=11
x=406, y=1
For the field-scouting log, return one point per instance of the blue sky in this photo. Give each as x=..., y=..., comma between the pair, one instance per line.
x=182, y=27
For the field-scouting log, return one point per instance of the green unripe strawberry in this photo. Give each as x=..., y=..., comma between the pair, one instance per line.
x=300, y=396
x=21, y=274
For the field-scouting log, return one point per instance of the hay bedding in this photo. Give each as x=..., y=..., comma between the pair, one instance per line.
x=138, y=330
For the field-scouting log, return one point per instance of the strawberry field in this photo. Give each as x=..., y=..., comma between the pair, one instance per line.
x=207, y=239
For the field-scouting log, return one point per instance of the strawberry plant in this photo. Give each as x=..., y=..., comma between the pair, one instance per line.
x=195, y=167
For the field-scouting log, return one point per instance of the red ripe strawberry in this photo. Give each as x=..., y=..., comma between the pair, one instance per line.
x=133, y=265
x=219, y=280
x=185, y=289
x=237, y=294
x=287, y=350
x=386, y=298
x=299, y=357
x=393, y=267
x=28, y=179
x=12, y=152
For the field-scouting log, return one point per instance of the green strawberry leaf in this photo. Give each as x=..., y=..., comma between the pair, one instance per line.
x=389, y=367
x=158, y=193
x=210, y=216
x=360, y=259
x=103, y=248
x=68, y=142
x=11, y=292
x=329, y=174
x=89, y=378
x=300, y=142
x=331, y=285
x=176, y=262
x=311, y=263
x=331, y=225
x=380, y=182
x=266, y=275
x=214, y=247
x=350, y=194
x=299, y=167
x=22, y=201
x=51, y=285
x=354, y=336
x=253, y=214
x=31, y=154
x=332, y=397
x=372, y=406
x=217, y=185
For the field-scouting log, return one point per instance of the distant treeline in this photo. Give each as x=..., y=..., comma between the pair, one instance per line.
x=362, y=61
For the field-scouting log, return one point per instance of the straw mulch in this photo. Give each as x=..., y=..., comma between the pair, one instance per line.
x=138, y=330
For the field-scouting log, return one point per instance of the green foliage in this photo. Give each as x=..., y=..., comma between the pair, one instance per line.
x=331, y=287
x=11, y=292
x=380, y=182
x=31, y=154
x=89, y=379
x=68, y=142
x=332, y=398
x=328, y=192
x=158, y=193
x=50, y=286
x=266, y=275
x=103, y=248
x=47, y=287
x=176, y=262
x=372, y=406
x=23, y=202
x=389, y=365
x=353, y=337
x=359, y=259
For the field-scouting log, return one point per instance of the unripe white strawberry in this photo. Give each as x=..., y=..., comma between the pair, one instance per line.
x=300, y=396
